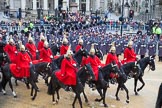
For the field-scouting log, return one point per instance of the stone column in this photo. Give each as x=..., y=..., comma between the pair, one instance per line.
x=34, y=4
x=87, y=5
x=23, y=5
x=77, y=1
x=11, y=4
x=64, y=2
x=56, y=4
x=45, y=5
x=97, y=4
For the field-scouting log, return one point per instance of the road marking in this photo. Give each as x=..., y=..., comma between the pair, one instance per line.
x=153, y=79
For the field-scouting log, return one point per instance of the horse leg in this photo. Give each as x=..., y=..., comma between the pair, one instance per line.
x=16, y=82
x=79, y=99
x=104, y=96
x=143, y=83
x=73, y=105
x=127, y=92
x=100, y=92
x=31, y=94
x=58, y=96
x=34, y=87
x=4, y=82
x=13, y=92
x=27, y=85
x=135, y=86
x=86, y=99
x=117, y=91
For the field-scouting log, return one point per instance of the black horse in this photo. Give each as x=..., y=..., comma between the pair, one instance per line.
x=4, y=58
x=7, y=78
x=84, y=74
x=99, y=54
x=78, y=55
x=129, y=69
x=143, y=64
x=55, y=48
x=103, y=79
x=159, y=98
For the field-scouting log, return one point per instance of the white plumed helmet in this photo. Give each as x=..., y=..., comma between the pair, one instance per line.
x=69, y=52
x=65, y=40
x=42, y=37
x=11, y=40
x=130, y=42
x=30, y=38
x=112, y=47
x=92, y=50
x=22, y=48
x=80, y=40
x=45, y=43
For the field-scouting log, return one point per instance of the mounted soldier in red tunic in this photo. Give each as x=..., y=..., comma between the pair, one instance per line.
x=41, y=42
x=129, y=53
x=46, y=53
x=80, y=45
x=112, y=57
x=64, y=47
x=30, y=46
x=67, y=74
x=96, y=64
x=11, y=50
x=22, y=68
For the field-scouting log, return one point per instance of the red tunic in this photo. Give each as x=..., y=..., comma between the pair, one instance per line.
x=78, y=47
x=22, y=68
x=110, y=58
x=63, y=49
x=67, y=74
x=95, y=63
x=45, y=55
x=83, y=61
x=32, y=49
x=40, y=45
x=10, y=50
x=129, y=55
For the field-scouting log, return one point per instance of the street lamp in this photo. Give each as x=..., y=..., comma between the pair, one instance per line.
x=122, y=19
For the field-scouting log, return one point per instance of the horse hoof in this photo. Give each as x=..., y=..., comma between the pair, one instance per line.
x=86, y=101
x=57, y=101
x=127, y=101
x=117, y=99
x=105, y=105
x=33, y=99
x=15, y=96
x=38, y=90
x=97, y=100
x=4, y=93
x=138, y=90
x=136, y=93
x=54, y=103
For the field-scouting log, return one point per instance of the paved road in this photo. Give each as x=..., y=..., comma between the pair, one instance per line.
x=146, y=99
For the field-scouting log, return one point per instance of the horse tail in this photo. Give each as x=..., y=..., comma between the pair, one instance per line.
x=159, y=98
x=50, y=87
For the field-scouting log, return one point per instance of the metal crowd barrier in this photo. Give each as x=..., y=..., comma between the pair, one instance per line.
x=126, y=27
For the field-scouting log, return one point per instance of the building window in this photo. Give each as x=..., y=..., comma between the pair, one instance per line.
x=38, y=4
x=73, y=0
x=83, y=0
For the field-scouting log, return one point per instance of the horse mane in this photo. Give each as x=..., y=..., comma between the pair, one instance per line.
x=159, y=97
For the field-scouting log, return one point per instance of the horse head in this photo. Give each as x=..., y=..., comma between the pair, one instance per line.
x=6, y=58
x=99, y=54
x=86, y=72
x=112, y=67
x=84, y=52
x=152, y=63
